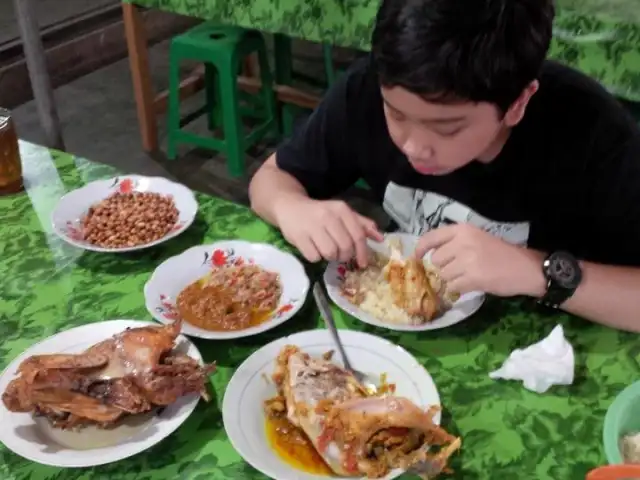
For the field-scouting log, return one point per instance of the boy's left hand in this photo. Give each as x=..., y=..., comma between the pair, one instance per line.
x=471, y=259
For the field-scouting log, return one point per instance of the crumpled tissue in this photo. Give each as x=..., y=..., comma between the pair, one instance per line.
x=549, y=362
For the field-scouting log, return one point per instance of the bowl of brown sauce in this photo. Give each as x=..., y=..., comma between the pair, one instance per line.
x=227, y=289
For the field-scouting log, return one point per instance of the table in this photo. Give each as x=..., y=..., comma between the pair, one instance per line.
x=599, y=37
x=507, y=431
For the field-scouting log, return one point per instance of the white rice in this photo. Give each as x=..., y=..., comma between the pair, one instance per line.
x=378, y=299
x=375, y=292
x=630, y=448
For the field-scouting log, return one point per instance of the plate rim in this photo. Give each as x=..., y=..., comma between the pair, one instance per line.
x=189, y=406
x=94, y=248
x=235, y=384
x=248, y=332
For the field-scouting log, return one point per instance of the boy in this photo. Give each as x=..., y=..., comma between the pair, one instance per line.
x=522, y=175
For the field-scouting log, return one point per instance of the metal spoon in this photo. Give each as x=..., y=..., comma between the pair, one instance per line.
x=327, y=316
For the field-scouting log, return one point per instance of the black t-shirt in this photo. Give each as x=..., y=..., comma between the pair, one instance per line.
x=568, y=177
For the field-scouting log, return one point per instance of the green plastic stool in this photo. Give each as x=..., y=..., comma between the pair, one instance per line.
x=222, y=50
x=285, y=74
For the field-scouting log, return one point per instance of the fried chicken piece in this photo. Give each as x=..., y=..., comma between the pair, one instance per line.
x=411, y=289
x=76, y=404
x=136, y=350
x=129, y=373
x=167, y=383
x=121, y=393
x=383, y=433
x=81, y=361
x=17, y=396
x=308, y=387
x=355, y=434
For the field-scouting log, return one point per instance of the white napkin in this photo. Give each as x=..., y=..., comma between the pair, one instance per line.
x=548, y=362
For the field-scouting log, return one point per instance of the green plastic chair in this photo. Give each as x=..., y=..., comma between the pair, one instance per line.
x=222, y=50
x=285, y=76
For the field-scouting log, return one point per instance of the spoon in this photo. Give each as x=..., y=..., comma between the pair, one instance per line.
x=327, y=316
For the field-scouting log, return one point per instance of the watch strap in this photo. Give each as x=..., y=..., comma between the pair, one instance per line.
x=560, y=289
x=555, y=295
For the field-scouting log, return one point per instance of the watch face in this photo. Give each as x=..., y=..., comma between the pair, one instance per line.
x=564, y=269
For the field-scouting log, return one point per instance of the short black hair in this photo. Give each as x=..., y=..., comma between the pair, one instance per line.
x=462, y=50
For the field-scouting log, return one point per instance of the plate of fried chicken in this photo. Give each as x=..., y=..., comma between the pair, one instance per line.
x=293, y=411
x=101, y=392
x=397, y=291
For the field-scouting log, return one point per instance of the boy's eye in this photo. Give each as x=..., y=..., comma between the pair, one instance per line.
x=448, y=133
x=396, y=115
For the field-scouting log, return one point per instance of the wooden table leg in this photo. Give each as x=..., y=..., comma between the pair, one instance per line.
x=38, y=73
x=139, y=64
x=251, y=67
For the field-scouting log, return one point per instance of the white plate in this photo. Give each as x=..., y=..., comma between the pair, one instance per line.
x=20, y=433
x=242, y=412
x=175, y=273
x=466, y=305
x=67, y=215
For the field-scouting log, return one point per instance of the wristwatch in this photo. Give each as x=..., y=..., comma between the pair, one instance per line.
x=563, y=275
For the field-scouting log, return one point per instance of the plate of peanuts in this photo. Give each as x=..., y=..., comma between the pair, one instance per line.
x=124, y=214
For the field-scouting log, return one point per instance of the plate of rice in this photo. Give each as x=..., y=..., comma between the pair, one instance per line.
x=397, y=292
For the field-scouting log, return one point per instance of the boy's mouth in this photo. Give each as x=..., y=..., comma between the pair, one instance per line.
x=425, y=169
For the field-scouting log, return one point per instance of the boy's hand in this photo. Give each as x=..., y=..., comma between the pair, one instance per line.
x=471, y=259
x=326, y=229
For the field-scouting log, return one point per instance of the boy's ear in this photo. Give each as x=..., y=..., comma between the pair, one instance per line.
x=516, y=111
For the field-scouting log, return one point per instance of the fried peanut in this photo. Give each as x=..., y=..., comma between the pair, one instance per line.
x=129, y=219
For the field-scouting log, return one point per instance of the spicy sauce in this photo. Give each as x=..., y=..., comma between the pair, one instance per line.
x=294, y=447
x=213, y=308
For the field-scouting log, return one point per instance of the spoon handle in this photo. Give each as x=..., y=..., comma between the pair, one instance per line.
x=327, y=316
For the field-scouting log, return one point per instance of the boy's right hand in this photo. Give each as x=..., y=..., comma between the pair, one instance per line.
x=327, y=229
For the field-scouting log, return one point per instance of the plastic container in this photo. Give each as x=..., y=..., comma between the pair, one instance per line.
x=623, y=417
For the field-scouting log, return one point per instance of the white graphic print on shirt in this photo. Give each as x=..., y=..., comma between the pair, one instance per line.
x=416, y=211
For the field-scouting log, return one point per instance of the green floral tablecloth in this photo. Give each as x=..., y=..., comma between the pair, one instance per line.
x=508, y=432
x=599, y=37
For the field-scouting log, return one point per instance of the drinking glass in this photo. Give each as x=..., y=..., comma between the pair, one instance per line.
x=10, y=162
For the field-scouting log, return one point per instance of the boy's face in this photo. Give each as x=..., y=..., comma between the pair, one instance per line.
x=439, y=138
